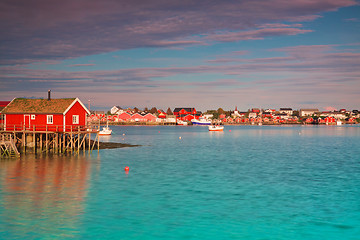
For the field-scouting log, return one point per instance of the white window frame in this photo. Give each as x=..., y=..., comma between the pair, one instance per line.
x=50, y=119
x=32, y=116
x=75, y=119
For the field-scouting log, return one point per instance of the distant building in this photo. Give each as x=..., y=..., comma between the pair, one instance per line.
x=252, y=115
x=116, y=110
x=308, y=112
x=335, y=114
x=186, y=114
x=287, y=111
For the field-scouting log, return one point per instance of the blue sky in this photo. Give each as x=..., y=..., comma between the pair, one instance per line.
x=202, y=54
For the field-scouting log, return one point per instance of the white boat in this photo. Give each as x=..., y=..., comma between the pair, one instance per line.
x=106, y=130
x=338, y=122
x=201, y=121
x=182, y=123
x=217, y=128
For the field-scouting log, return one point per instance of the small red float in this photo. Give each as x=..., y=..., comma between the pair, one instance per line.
x=127, y=169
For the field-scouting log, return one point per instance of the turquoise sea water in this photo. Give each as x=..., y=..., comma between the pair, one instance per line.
x=248, y=182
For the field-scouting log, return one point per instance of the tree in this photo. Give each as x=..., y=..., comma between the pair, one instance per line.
x=153, y=110
x=146, y=109
x=220, y=111
x=136, y=109
x=169, y=112
x=295, y=113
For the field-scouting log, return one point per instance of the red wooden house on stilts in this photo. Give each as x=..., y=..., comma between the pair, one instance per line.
x=58, y=115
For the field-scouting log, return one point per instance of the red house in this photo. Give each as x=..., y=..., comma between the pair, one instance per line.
x=150, y=118
x=124, y=116
x=137, y=117
x=186, y=114
x=162, y=114
x=65, y=114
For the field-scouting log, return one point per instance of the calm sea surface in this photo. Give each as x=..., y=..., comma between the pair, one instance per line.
x=248, y=182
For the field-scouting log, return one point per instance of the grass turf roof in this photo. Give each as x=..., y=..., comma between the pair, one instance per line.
x=24, y=105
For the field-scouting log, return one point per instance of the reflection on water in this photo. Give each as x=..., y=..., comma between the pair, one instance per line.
x=40, y=193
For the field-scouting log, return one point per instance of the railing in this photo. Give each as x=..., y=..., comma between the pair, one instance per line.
x=48, y=128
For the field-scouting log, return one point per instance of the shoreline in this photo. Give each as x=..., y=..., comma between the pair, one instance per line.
x=112, y=145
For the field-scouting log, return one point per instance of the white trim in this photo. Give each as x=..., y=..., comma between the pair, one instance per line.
x=8, y=105
x=76, y=118
x=73, y=103
x=47, y=119
x=5, y=121
x=64, y=120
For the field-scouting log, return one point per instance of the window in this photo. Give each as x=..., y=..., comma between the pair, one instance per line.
x=33, y=117
x=49, y=119
x=75, y=119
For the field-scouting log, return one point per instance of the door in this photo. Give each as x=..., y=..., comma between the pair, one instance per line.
x=27, y=122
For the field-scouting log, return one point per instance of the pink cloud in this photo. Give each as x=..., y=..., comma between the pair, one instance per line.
x=255, y=34
x=330, y=108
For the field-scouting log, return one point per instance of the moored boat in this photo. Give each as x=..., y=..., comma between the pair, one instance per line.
x=105, y=131
x=216, y=128
x=201, y=121
x=182, y=123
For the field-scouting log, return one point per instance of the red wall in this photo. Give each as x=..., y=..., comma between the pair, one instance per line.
x=77, y=109
x=19, y=121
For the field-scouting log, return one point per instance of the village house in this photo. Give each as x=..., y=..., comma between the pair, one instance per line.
x=116, y=110
x=270, y=110
x=308, y=112
x=161, y=114
x=252, y=114
x=186, y=114
x=287, y=111
x=335, y=114
x=45, y=114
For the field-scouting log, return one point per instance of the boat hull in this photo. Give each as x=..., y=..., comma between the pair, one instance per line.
x=200, y=122
x=216, y=128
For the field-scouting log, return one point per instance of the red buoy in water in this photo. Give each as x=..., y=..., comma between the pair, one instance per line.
x=127, y=169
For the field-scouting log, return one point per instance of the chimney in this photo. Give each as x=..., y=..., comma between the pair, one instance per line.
x=49, y=95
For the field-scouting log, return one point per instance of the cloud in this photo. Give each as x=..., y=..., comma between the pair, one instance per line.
x=255, y=34
x=39, y=30
x=82, y=65
x=352, y=20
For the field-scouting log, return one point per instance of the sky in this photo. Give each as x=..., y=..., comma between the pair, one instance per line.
x=183, y=53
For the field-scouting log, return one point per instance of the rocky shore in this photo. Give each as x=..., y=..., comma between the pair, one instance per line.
x=111, y=145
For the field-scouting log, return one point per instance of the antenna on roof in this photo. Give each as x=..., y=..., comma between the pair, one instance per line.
x=49, y=95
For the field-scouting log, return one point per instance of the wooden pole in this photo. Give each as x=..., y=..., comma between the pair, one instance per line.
x=34, y=139
x=23, y=141
x=41, y=142
x=64, y=140
x=46, y=139
x=89, y=142
x=71, y=139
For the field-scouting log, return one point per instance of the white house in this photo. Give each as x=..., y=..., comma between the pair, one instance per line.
x=116, y=110
x=287, y=111
x=308, y=112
